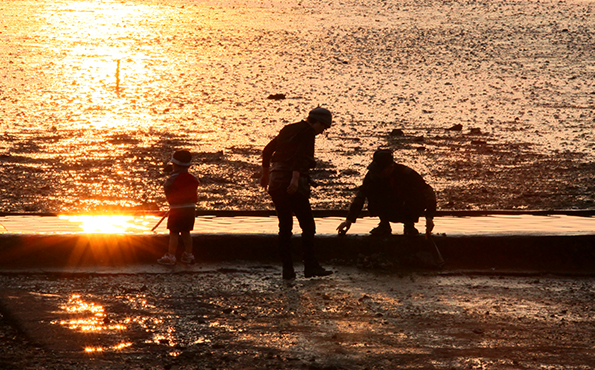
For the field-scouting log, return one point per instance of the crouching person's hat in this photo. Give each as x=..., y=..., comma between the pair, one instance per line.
x=382, y=159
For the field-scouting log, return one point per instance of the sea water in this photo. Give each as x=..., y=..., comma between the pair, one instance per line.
x=95, y=95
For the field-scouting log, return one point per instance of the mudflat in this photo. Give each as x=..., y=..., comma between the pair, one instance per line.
x=491, y=101
x=242, y=316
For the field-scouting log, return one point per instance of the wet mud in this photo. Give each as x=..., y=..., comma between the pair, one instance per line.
x=245, y=317
x=468, y=172
x=492, y=102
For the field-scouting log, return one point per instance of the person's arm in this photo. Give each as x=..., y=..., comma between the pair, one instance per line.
x=302, y=158
x=302, y=142
x=267, y=154
x=295, y=181
x=168, y=185
x=357, y=204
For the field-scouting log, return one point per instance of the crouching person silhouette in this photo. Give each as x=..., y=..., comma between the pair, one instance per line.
x=395, y=193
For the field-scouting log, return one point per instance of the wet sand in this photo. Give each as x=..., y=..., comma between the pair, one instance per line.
x=80, y=133
x=241, y=317
x=495, y=305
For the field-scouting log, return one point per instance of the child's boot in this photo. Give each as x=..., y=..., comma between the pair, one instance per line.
x=187, y=258
x=167, y=260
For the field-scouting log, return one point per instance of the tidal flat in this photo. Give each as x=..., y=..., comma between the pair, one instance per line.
x=491, y=101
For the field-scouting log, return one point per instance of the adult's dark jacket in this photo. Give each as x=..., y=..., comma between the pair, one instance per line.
x=402, y=197
x=291, y=150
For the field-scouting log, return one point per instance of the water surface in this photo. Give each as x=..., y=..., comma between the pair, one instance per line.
x=95, y=96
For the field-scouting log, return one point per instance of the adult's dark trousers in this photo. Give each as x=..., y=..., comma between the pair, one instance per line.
x=286, y=206
x=396, y=215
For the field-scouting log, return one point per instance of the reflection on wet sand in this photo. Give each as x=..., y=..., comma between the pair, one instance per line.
x=241, y=317
x=96, y=322
x=91, y=318
x=117, y=347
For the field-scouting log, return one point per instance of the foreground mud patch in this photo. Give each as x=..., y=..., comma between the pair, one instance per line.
x=243, y=317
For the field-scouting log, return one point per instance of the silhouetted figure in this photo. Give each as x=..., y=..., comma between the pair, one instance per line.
x=395, y=193
x=180, y=191
x=286, y=162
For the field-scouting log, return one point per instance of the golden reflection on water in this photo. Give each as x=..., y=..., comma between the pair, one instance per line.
x=176, y=72
x=96, y=322
x=96, y=37
x=93, y=320
x=110, y=223
x=117, y=347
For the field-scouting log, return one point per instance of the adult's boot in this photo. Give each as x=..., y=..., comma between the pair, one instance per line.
x=288, y=271
x=410, y=230
x=382, y=230
x=313, y=269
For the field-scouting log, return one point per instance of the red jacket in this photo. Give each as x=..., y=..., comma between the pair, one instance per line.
x=180, y=190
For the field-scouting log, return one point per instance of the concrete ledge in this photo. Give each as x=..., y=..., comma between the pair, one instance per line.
x=554, y=254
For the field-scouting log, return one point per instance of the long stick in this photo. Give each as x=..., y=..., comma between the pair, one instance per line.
x=160, y=221
x=430, y=240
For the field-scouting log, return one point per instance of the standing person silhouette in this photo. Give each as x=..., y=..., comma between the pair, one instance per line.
x=180, y=191
x=286, y=161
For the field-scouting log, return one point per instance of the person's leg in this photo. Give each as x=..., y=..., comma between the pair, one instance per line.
x=285, y=217
x=303, y=212
x=187, y=256
x=169, y=258
x=381, y=207
x=383, y=228
x=187, y=241
x=173, y=242
x=301, y=207
x=409, y=229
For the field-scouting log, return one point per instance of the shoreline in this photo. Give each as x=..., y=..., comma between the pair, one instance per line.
x=587, y=212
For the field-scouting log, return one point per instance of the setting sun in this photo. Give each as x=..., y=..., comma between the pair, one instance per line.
x=109, y=223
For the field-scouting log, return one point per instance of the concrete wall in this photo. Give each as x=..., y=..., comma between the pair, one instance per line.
x=556, y=254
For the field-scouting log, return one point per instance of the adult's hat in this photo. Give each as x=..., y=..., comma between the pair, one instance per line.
x=182, y=158
x=382, y=158
x=321, y=115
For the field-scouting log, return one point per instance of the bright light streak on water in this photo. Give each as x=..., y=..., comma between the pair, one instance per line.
x=109, y=224
x=451, y=226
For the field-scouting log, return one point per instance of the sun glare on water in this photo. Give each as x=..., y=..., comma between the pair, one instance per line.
x=110, y=224
x=107, y=57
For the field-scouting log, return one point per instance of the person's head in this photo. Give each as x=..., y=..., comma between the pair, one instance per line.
x=181, y=158
x=320, y=119
x=382, y=163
